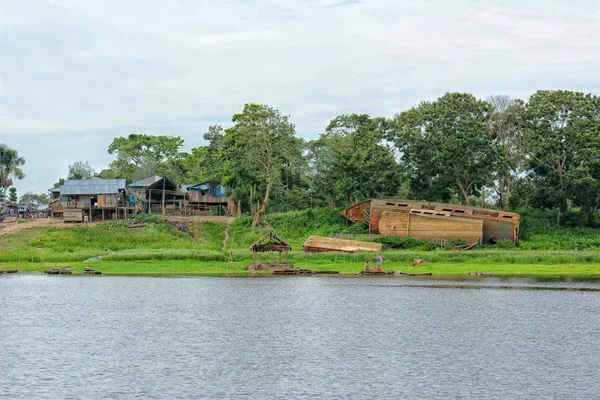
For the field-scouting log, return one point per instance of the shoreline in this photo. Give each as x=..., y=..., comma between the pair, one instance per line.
x=439, y=271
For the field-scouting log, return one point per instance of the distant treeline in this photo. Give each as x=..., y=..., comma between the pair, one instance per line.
x=502, y=152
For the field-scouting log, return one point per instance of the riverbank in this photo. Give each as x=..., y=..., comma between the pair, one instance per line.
x=151, y=246
x=441, y=266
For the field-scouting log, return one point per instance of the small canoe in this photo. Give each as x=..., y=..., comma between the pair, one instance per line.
x=58, y=271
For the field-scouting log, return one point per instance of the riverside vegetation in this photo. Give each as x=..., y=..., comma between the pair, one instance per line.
x=545, y=250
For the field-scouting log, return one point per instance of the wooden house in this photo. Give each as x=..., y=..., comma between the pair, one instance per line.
x=435, y=221
x=206, y=195
x=164, y=196
x=138, y=188
x=92, y=198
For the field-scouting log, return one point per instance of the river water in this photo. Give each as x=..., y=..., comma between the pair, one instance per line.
x=297, y=338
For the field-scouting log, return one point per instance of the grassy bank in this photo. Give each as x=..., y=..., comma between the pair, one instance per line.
x=158, y=248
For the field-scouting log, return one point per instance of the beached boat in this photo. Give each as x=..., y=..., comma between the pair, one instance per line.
x=435, y=221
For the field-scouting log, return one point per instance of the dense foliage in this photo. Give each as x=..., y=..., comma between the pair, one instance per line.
x=543, y=153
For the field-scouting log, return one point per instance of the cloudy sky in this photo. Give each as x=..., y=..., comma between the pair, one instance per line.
x=74, y=74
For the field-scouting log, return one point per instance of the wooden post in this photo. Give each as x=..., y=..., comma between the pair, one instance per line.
x=150, y=201
x=239, y=209
x=102, y=214
x=90, y=220
x=163, y=197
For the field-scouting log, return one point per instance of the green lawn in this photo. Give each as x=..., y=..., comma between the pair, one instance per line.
x=160, y=249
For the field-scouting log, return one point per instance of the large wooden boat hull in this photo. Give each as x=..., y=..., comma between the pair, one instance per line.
x=431, y=227
x=497, y=224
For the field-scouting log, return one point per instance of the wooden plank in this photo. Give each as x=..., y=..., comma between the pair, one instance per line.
x=325, y=244
x=431, y=226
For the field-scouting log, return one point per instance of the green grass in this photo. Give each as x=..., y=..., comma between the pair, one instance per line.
x=158, y=248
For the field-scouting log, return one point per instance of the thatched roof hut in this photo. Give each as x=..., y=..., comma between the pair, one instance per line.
x=270, y=242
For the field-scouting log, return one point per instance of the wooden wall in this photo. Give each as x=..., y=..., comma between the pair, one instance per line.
x=431, y=227
x=72, y=215
x=108, y=200
x=195, y=196
x=498, y=230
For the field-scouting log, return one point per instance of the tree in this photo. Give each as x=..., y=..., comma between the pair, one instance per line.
x=13, y=194
x=447, y=145
x=506, y=124
x=80, y=170
x=352, y=162
x=256, y=150
x=61, y=181
x=10, y=164
x=139, y=156
x=205, y=162
x=31, y=198
x=561, y=142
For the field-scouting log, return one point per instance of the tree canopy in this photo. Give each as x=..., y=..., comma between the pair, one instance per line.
x=447, y=145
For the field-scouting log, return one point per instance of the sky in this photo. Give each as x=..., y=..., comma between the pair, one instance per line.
x=74, y=74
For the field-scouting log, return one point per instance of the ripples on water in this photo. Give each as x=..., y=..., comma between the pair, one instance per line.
x=286, y=338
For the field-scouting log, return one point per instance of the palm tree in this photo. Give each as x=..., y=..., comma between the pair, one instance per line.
x=9, y=168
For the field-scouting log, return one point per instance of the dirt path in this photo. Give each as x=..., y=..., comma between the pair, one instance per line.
x=226, y=234
x=12, y=226
x=208, y=218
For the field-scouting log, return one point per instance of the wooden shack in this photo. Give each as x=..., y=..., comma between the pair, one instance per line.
x=270, y=243
x=206, y=196
x=321, y=244
x=138, y=188
x=93, y=199
x=496, y=225
x=164, y=196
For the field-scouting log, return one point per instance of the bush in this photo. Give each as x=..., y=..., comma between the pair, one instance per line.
x=505, y=244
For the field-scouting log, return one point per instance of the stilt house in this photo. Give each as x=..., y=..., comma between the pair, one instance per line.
x=89, y=199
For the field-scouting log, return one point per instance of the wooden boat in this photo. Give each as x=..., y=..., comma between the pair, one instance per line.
x=9, y=271
x=387, y=217
x=58, y=271
x=91, y=271
x=319, y=244
x=389, y=272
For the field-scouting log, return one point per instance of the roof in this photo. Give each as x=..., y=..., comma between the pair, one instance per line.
x=54, y=190
x=92, y=186
x=202, y=185
x=270, y=242
x=146, y=181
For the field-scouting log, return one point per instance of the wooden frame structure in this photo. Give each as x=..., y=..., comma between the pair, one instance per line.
x=270, y=242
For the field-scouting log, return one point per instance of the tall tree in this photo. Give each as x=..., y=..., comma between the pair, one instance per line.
x=13, y=194
x=256, y=150
x=352, y=161
x=140, y=154
x=560, y=140
x=447, y=145
x=80, y=170
x=506, y=122
x=10, y=167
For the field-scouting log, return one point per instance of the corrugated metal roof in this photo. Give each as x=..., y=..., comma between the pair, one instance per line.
x=92, y=186
x=146, y=181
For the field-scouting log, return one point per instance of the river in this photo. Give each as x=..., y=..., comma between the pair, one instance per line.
x=92, y=337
